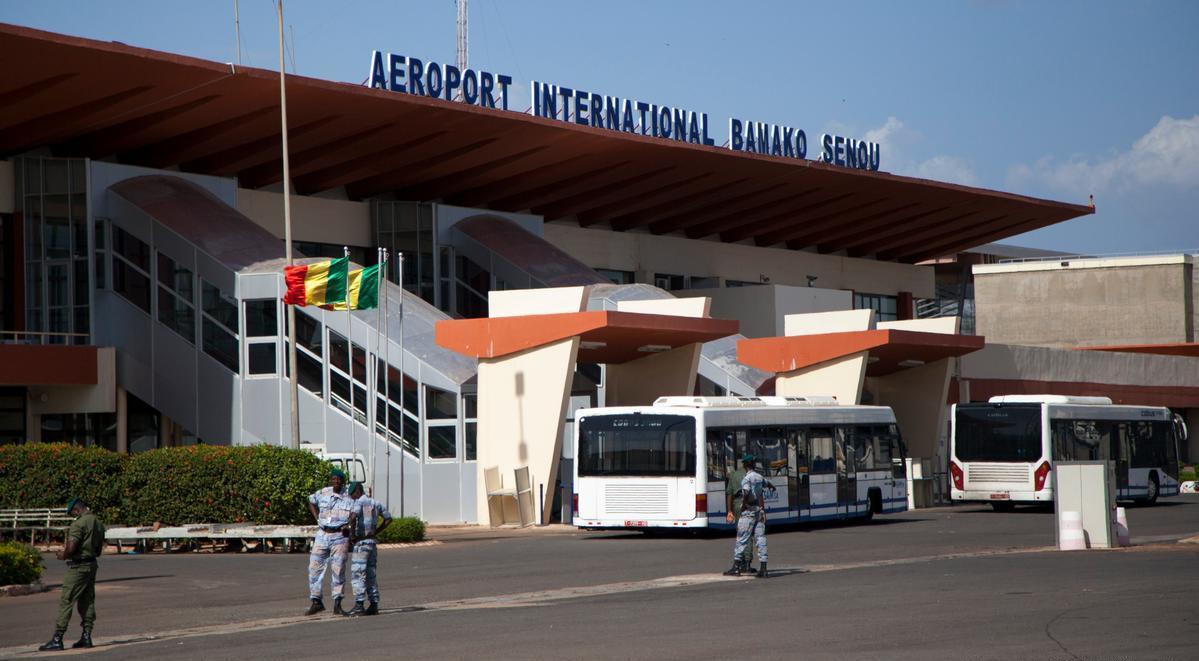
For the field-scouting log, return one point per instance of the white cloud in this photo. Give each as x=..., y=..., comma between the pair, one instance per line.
x=1167, y=155
x=896, y=140
x=946, y=168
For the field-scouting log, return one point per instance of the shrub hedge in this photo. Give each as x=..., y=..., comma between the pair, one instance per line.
x=20, y=564
x=404, y=529
x=47, y=474
x=195, y=484
x=208, y=483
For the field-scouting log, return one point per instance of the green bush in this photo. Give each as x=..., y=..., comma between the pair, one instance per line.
x=20, y=564
x=207, y=483
x=50, y=474
x=402, y=530
x=1186, y=474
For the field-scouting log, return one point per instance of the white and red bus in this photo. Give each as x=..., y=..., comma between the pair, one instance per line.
x=1003, y=451
x=667, y=465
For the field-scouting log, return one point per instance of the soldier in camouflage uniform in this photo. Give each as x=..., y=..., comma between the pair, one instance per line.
x=331, y=509
x=81, y=550
x=752, y=520
x=368, y=518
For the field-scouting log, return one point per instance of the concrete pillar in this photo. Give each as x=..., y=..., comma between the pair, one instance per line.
x=122, y=421
x=640, y=382
x=522, y=403
x=842, y=378
x=917, y=395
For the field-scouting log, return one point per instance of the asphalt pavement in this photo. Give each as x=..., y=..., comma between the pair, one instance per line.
x=955, y=583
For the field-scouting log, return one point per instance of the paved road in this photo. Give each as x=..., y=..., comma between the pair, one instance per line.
x=948, y=583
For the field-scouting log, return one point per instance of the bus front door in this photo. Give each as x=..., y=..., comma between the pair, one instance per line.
x=847, y=477
x=1122, y=451
x=798, y=497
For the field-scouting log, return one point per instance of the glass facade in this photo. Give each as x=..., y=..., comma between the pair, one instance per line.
x=52, y=196
x=408, y=227
x=885, y=307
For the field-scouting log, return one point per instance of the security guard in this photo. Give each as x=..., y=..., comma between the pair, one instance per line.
x=368, y=518
x=84, y=543
x=752, y=519
x=731, y=488
x=331, y=508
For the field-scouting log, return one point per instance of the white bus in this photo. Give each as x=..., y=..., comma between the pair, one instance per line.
x=666, y=465
x=1003, y=451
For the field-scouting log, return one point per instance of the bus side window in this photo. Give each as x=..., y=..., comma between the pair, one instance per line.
x=823, y=459
x=716, y=455
x=800, y=465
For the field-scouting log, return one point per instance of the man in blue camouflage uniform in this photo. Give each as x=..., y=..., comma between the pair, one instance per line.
x=331, y=509
x=368, y=518
x=752, y=520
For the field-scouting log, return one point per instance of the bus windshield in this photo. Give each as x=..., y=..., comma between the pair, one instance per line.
x=998, y=433
x=636, y=445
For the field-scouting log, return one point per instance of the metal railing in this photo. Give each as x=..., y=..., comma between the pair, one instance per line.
x=42, y=337
x=1112, y=255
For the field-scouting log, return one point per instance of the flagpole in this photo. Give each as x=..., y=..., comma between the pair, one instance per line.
x=350, y=332
x=291, y=309
x=386, y=382
x=372, y=409
x=403, y=416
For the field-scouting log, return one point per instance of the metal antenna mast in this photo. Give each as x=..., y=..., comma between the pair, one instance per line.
x=463, y=40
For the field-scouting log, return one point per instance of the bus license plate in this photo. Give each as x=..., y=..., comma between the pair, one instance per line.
x=1001, y=496
x=636, y=524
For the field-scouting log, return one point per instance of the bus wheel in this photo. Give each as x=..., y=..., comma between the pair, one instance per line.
x=1151, y=497
x=1003, y=507
x=874, y=503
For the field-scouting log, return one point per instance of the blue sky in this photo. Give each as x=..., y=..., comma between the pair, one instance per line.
x=1050, y=99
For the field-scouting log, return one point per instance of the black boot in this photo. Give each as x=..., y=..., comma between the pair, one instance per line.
x=747, y=566
x=356, y=610
x=337, y=606
x=373, y=609
x=762, y=571
x=54, y=644
x=316, y=607
x=735, y=570
x=84, y=641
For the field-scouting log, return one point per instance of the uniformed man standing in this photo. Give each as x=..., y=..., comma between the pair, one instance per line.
x=368, y=518
x=732, y=487
x=84, y=543
x=331, y=508
x=752, y=520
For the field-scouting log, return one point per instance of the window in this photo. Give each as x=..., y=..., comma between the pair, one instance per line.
x=218, y=327
x=998, y=433
x=470, y=427
x=640, y=445
x=1081, y=440
x=820, y=440
x=262, y=328
x=443, y=442
x=175, y=296
x=617, y=277
x=131, y=268
x=440, y=404
x=885, y=307
x=309, y=341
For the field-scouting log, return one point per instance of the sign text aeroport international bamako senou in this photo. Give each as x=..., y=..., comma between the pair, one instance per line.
x=411, y=75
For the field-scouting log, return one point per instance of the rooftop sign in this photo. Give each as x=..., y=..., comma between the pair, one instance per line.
x=400, y=73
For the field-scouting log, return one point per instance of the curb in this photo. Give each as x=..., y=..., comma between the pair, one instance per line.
x=22, y=590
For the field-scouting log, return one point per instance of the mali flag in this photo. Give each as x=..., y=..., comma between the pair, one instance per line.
x=321, y=284
x=362, y=292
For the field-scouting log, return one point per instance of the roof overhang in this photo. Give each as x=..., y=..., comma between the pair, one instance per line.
x=107, y=100
x=889, y=350
x=605, y=336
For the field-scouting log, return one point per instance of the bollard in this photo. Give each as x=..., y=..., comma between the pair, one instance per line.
x=1071, y=536
x=1122, y=527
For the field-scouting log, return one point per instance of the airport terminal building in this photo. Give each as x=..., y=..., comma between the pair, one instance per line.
x=141, y=260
